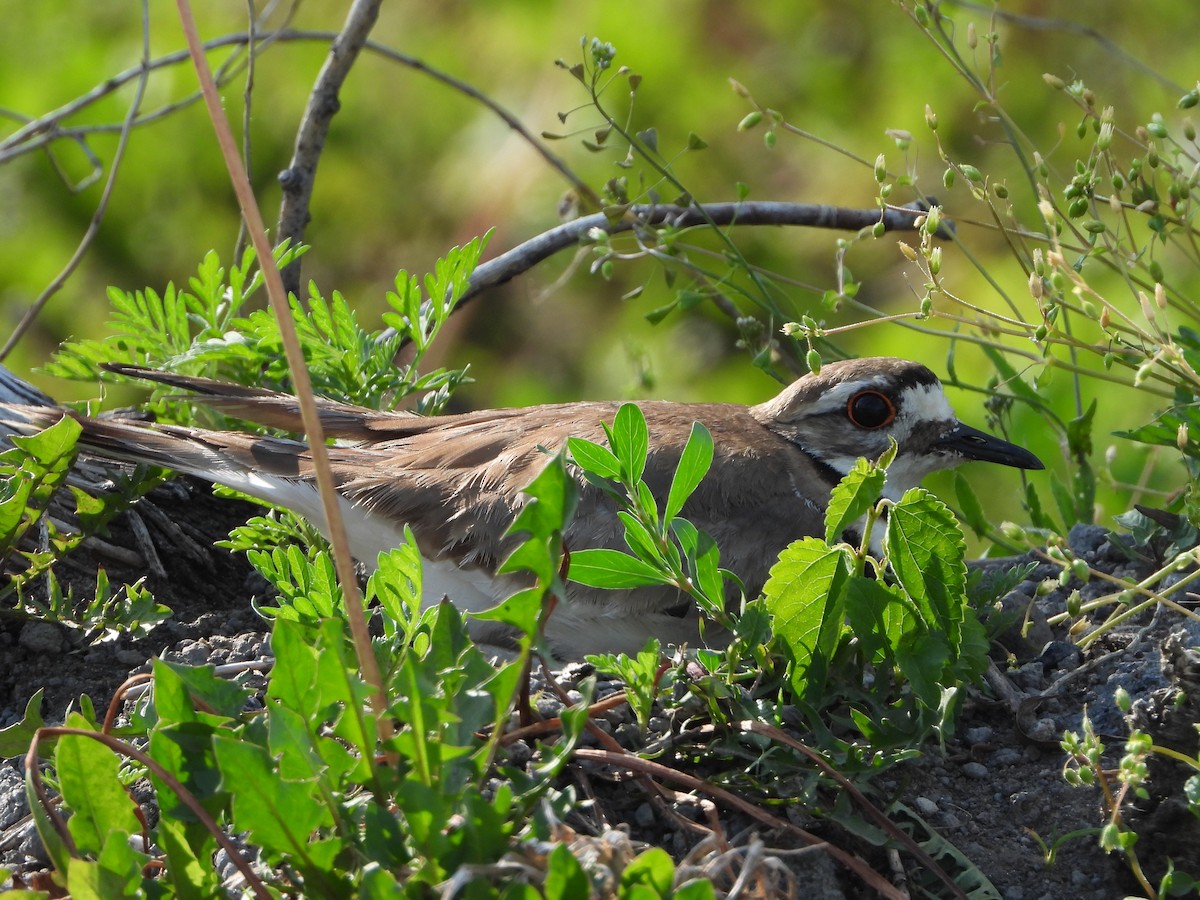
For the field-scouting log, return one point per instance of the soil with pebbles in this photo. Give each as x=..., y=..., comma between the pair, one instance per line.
x=994, y=792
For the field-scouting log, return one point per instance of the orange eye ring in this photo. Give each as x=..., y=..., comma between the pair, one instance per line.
x=871, y=410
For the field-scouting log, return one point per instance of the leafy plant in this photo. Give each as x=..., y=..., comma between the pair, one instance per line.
x=895, y=652
x=1084, y=767
x=209, y=330
x=309, y=782
x=32, y=472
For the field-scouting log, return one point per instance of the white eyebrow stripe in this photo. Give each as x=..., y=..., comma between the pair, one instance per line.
x=919, y=405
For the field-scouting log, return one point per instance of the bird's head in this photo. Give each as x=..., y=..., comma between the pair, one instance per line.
x=851, y=408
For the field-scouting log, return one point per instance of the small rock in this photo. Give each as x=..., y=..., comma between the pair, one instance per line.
x=518, y=753
x=130, y=656
x=628, y=735
x=1044, y=730
x=975, y=770
x=978, y=735
x=42, y=637
x=548, y=707
x=1085, y=540
x=925, y=806
x=196, y=653
x=1061, y=655
x=1008, y=756
x=644, y=815
x=1031, y=677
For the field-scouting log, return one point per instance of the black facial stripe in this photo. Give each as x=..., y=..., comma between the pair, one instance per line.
x=828, y=473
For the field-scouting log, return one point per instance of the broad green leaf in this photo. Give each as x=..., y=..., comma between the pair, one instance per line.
x=87, y=776
x=857, y=492
x=652, y=869
x=294, y=677
x=630, y=441
x=922, y=658
x=280, y=814
x=639, y=539
x=396, y=584
x=805, y=597
x=565, y=878
x=704, y=559
x=15, y=739
x=591, y=457
x=521, y=610
x=870, y=606
x=222, y=697
x=53, y=445
x=695, y=890
x=191, y=878
x=925, y=550
x=117, y=872
x=693, y=466
x=612, y=569
x=56, y=848
x=553, y=495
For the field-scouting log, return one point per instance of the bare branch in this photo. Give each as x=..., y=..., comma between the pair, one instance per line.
x=323, y=103
x=525, y=256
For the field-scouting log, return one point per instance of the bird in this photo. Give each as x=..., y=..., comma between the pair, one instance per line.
x=457, y=480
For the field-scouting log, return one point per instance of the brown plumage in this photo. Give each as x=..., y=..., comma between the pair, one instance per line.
x=456, y=480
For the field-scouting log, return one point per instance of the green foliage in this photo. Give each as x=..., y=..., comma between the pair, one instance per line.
x=312, y=781
x=131, y=609
x=665, y=547
x=643, y=675
x=31, y=473
x=891, y=655
x=894, y=652
x=1085, y=767
x=210, y=330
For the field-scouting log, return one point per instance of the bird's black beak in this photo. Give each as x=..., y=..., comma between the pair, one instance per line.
x=972, y=443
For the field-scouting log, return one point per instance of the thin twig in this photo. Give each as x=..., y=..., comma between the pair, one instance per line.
x=185, y=796
x=315, y=433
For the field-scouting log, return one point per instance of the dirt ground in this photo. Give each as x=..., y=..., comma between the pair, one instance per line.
x=995, y=792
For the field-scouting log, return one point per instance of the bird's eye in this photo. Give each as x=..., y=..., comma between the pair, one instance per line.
x=870, y=409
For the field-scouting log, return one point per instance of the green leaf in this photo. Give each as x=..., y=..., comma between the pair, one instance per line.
x=653, y=869
x=396, y=585
x=856, y=493
x=565, y=878
x=970, y=507
x=115, y=873
x=926, y=552
x=15, y=739
x=695, y=890
x=805, y=597
x=871, y=607
x=630, y=441
x=53, y=445
x=279, y=813
x=88, y=778
x=693, y=466
x=612, y=569
x=191, y=878
x=591, y=457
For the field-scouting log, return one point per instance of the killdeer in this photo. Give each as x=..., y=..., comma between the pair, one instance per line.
x=457, y=480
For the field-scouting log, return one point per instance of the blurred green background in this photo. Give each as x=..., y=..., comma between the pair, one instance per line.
x=412, y=168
